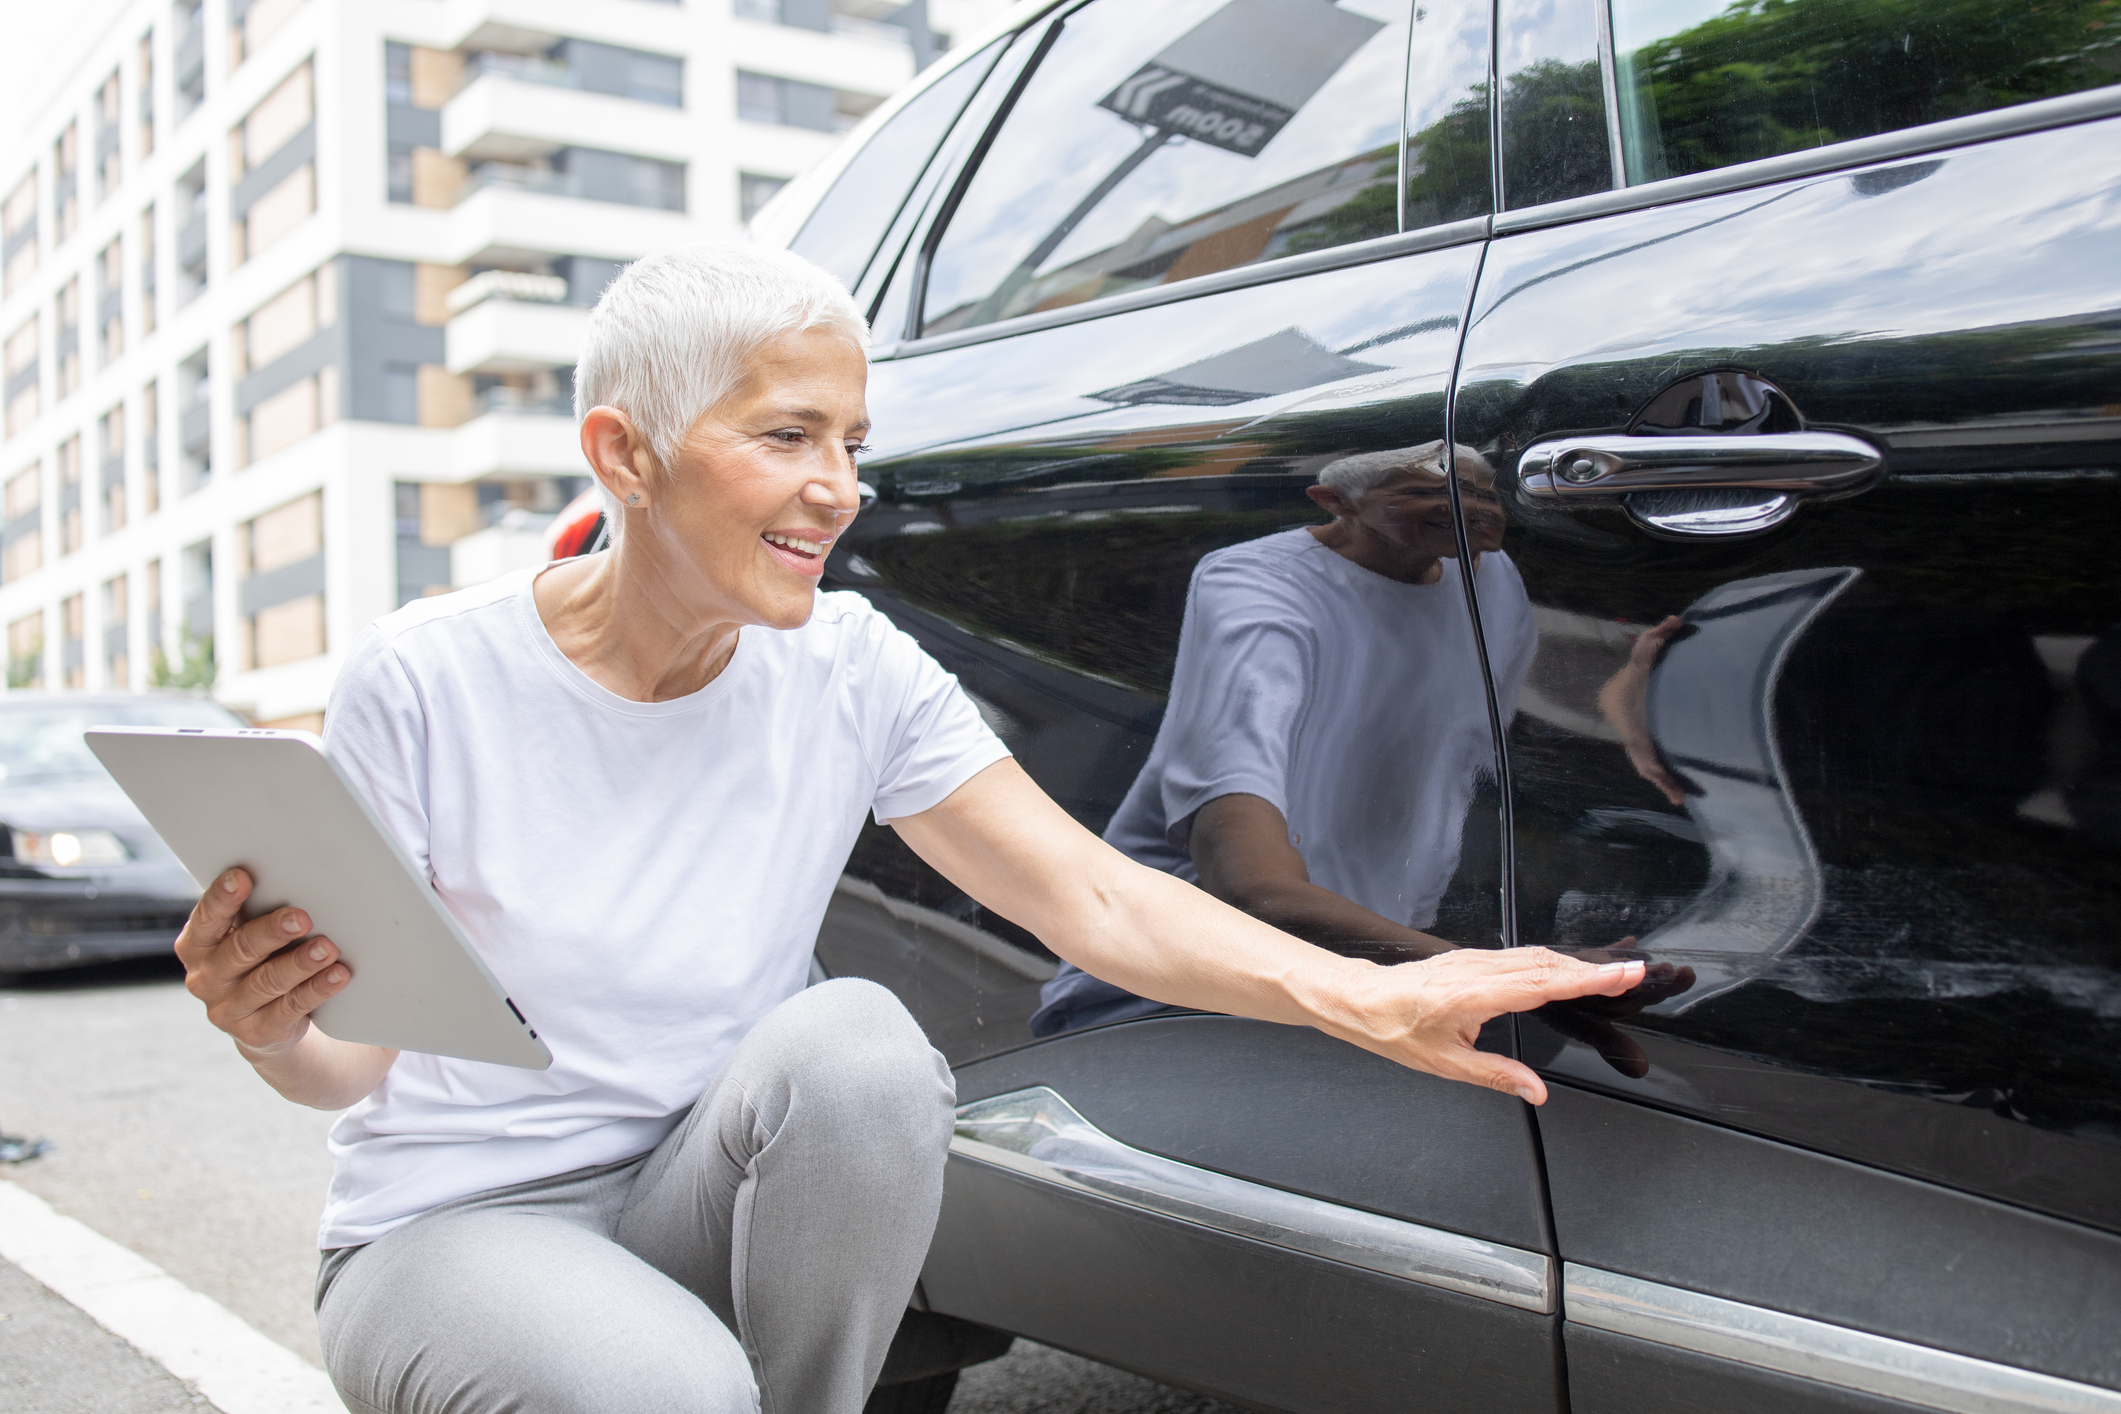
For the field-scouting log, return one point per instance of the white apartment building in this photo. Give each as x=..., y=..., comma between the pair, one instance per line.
x=293, y=291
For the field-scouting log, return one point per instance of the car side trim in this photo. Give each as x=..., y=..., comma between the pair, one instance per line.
x=1265, y=272
x=1818, y=1350
x=2087, y=106
x=1036, y=1133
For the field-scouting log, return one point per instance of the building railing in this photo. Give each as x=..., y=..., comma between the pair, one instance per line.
x=522, y=400
x=506, y=284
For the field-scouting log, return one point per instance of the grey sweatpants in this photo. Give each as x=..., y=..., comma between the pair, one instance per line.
x=759, y=1258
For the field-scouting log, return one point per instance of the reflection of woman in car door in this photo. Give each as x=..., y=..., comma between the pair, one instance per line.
x=1327, y=723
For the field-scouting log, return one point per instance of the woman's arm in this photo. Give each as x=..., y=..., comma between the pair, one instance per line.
x=1003, y=841
x=260, y=981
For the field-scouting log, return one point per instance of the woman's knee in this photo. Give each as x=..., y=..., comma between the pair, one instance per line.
x=853, y=1040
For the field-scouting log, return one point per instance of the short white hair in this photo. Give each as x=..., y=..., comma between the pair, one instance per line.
x=675, y=334
x=1352, y=476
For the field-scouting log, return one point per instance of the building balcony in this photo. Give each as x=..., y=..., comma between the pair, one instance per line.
x=516, y=441
x=515, y=336
x=504, y=117
x=505, y=222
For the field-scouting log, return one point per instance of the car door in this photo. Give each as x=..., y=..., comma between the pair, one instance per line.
x=1185, y=263
x=1802, y=403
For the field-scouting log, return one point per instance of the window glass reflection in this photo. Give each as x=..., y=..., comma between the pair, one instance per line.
x=1704, y=84
x=1159, y=142
x=1328, y=726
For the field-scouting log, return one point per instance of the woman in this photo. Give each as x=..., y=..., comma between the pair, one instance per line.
x=634, y=777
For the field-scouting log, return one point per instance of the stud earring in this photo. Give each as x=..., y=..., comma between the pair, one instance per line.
x=634, y=499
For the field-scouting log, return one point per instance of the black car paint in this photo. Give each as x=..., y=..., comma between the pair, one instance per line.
x=1901, y=1159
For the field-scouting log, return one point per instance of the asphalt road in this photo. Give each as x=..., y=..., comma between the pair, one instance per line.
x=164, y=1140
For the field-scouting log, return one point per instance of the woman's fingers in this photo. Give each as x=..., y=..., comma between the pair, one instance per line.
x=288, y=1015
x=1519, y=979
x=277, y=976
x=1495, y=1073
x=213, y=915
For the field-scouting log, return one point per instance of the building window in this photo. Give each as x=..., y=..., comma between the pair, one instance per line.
x=110, y=302
x=147, y=272
x=25, y=651
x=194, y=423
x=108, y=169
x=71, y=528
x=22, y=529
x=282, y=589
x=251, y=24
x=110, y=475
x=66, y=338
x=24, y=401
x=397, y=73
x=150, y=452
x=66, y=183
x=189, y=29
x=146, y=91
x=286, y=326
x=190, y=207
x=283, y=118
x=18, y=232
x=73, y=643
x=792, y=103
x=754, y=191
x=117, y=621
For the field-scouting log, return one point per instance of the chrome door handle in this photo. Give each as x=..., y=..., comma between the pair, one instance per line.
x=1794, y=463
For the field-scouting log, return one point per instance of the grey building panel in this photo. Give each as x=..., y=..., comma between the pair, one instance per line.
x=297, y=152
x=290, y=368
x=419, y=565
x=26, y=524
x=147, y=275
x=191, y=242
x=19, y=239
x=69, y=496
x=407, y=126
x=190, y=63
x=113, y=641
x=625, y=73
x=65, y=341
x=64, y=185
x=808, y=105
x=586, y=277
x=113, y=472
x=22, y=382
x=807, y=14
x=109, y=305
x=194, y=426
x=237, y=9
x=106, y=141
x=262, y=591
x=199, y=615
x=72, y=652
x=379, y=340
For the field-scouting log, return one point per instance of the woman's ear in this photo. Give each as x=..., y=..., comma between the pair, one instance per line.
x=1330, y=500
x=618, y=454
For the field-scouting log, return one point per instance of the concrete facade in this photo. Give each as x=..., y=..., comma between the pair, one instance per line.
x=294, y=288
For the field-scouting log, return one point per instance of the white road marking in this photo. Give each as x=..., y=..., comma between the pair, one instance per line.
x=191, y=1335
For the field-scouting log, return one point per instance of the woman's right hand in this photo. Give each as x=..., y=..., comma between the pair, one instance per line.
x=260, y=980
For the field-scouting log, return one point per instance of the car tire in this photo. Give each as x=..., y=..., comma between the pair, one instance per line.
x=928, y=1395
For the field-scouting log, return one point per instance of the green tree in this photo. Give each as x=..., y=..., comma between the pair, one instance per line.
x=195, y=670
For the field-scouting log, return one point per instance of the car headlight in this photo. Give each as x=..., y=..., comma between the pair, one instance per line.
x=70, y=849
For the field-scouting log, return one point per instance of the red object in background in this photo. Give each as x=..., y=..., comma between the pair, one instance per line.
x=575, y=529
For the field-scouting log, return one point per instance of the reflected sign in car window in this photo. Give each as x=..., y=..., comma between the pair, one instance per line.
x=1704, y=84
x=1159, y=142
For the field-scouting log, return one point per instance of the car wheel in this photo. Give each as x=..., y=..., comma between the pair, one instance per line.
x=929, y=1395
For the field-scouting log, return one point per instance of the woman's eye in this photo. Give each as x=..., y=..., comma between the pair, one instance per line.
x=854, y=450
x=787, y=434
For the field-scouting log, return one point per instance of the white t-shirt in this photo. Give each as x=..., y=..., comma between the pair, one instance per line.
x=646, y=879
x=1352, y=702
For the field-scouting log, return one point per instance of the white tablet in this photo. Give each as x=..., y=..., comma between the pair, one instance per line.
x=273, y=802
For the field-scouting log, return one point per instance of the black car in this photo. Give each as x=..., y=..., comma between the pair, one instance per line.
x=1751, y=374
x=82, y=877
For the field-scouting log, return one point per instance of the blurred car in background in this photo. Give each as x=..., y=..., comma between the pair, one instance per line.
x=82, y=877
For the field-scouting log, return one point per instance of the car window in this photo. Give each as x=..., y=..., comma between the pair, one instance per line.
x=44, y=741
x=1704, y=84
x=843, y=232
x=1156, y=142
x=1553, y=130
